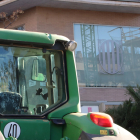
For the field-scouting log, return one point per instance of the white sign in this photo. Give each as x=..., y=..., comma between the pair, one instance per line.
x=42, y=84
x=12, y=129
x=32, y=83
x=86, y=109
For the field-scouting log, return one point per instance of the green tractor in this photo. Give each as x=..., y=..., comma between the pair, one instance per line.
x=39, y=97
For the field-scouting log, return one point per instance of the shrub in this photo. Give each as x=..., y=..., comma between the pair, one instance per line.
x=127, y=115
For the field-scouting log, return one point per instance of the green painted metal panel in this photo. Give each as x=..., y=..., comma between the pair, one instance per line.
x=25, y=36
x=71, y=131
x=84, y=123
x=31, y=129
x=73, y=104
x=56, y=131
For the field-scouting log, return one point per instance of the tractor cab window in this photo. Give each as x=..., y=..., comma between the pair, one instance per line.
x=31, y=82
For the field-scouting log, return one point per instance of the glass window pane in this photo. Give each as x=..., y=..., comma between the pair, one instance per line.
x=31, y=82
x=107, y=56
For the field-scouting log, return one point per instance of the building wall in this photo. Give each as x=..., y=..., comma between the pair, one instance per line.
x=28, y=19
x=103, y=94
x=60, y=21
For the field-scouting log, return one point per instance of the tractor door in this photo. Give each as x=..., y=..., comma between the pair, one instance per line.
x=26, y=129
x=40, y=89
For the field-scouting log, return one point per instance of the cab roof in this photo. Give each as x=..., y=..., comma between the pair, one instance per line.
x=30, y=37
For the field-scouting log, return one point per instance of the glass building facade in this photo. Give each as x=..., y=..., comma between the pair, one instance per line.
x=107, y=56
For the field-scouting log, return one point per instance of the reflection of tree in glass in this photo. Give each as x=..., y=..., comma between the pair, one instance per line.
x=8, y=76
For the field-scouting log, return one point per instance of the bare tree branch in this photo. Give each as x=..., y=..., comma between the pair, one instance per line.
x=9, y=19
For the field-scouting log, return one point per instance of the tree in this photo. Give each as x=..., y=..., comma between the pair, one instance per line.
x=134, y=93
x=127, y=115
x=7, y=20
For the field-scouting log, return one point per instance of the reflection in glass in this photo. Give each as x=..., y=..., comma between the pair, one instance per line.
x=107, y=56
x=31, y=82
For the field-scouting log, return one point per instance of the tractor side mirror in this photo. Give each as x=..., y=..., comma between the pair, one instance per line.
x=39, y=70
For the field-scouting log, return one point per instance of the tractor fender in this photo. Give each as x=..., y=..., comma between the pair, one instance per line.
x=122, y=135
x=80, y=127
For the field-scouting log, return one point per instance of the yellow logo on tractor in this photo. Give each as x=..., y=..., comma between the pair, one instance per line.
x=103, y=132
